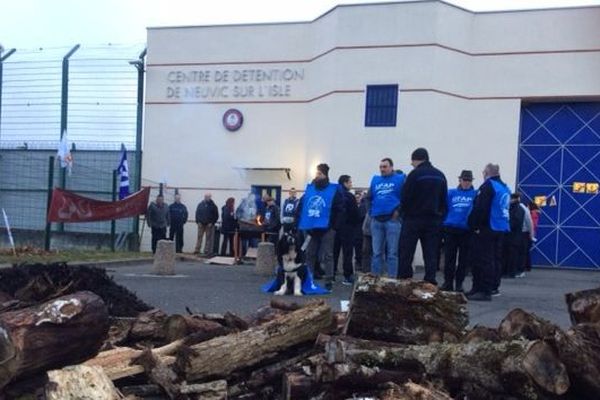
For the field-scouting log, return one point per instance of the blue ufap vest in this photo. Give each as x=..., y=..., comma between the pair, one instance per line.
x=316, y=207
x=460, y=203
x=385, y=194
x=499, y=214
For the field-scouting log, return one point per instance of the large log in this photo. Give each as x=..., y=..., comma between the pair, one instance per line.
x=220, y=356
x=179, y=326
x=482, y=370
x=405, y=311
x=584, y=306
x=521, y=324
x=63, y=331
x=579, y=349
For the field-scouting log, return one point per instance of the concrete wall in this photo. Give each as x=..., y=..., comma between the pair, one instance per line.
x=462, y=78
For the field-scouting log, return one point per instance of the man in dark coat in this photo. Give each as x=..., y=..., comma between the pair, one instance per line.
x=179, y=215
x=423, y=208
x=344, y=236
x=207, y=215
x=158, y=220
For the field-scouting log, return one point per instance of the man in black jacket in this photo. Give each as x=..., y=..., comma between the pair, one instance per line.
x=207, y=215
x=424, y=198
x=271, y=220
x=179, y=216
x=344, y=236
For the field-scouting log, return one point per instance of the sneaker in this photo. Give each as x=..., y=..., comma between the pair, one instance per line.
x=480, y=296
x=348, y=281
x=521, y=275
x=495, y=293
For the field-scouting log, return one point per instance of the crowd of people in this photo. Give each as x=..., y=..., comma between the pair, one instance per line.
x=487, y=232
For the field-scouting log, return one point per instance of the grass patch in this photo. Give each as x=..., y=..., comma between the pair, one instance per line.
x=31, y=255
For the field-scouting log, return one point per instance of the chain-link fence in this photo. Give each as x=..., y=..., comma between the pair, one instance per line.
x=92, y=94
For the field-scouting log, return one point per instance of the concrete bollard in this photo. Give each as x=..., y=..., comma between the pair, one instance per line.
x=164, y=259
x=265, y=259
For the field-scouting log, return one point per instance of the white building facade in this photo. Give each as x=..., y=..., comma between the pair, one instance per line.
x=363, y=82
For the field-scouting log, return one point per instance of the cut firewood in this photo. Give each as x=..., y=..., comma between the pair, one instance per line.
x=521, y=324
x=149, y=325
x=179, y=326
x=298, y=386
x=222, y=355
x=284, y=305
x=579, y=349
x=63, y=331
x=160, y=374
x=412, y=391
x=584, y=306
x=264, y=314
x=80, y=382
x=216, y=390
x=481, y=334
x=405, y=311
x=483, y=370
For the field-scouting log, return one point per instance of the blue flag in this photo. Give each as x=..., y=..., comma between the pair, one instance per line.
x=123, y=171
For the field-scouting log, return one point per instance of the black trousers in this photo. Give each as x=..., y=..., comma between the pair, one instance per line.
x=357, y=242
x=426, y=230
x=486, y=250
x=456, y=246
x=344, y=241
x=158, y=234
x=227, y=238
x=176, y=232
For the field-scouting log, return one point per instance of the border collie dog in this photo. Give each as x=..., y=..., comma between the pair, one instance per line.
x=292, y=269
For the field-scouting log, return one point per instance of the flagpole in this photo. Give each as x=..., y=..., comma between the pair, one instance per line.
x=113, y=223
x=10, y=236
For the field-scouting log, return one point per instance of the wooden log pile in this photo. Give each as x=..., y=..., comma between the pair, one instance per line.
x=401, y=339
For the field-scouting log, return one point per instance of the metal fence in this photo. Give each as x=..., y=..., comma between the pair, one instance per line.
x=95, y=95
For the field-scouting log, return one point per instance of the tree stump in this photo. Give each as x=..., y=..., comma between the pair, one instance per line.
x=164, y=259
x=405, y=311
x=584, y=306
x=266, y=259
x=80, y=382
x=63, y=331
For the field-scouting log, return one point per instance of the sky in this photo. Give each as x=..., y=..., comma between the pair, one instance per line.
x=28, y=24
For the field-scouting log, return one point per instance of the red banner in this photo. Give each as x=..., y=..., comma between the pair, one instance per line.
x=69, y=207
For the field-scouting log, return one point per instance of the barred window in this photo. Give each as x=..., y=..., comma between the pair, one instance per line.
x=382, y=105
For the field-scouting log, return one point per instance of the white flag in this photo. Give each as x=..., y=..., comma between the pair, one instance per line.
x=64, y=153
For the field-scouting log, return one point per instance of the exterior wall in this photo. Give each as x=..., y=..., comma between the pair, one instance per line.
x=462, y=78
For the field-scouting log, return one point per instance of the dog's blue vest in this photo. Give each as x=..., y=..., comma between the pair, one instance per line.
x=316, y=207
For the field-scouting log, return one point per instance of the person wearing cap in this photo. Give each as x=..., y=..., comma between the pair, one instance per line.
x=319, y=210
x=456, y=232
x=489, y=222
x=423, y=207
x=385, y=196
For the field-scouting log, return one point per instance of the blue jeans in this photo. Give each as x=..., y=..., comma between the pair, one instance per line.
x=386, y=236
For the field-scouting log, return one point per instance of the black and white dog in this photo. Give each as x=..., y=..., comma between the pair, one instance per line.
x=293, y=270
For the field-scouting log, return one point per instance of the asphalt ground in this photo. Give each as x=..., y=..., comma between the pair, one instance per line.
x=216, y=289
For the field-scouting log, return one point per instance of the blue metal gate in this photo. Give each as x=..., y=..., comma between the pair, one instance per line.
x=559, y=166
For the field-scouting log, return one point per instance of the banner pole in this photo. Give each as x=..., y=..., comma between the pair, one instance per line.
x=10, y=236
x=113, y=223
x=50, y=184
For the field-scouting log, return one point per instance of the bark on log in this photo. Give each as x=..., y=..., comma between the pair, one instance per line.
x=485, y=370
x=63, y=331
x=579, y=350
x=298, y=386
x=149, y=326
x=405, y=311
x=160, y=374
x=521, y=324
x=413, y=391
x=216, y=390
x=80, y=382
x=584, y=306
x=220, y=356
x=481, y=334
x=117, y=363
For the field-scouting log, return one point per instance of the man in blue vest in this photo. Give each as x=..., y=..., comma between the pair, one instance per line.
x=456, y=232
x=385, y=197
x=319, y=210
x=489, y=221
x=424, y=206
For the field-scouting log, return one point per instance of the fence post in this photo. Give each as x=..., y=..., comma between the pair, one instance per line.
x=113, y=223
x=64, y=108
x=2, y=58
x=50, y=184
x=139, y=65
